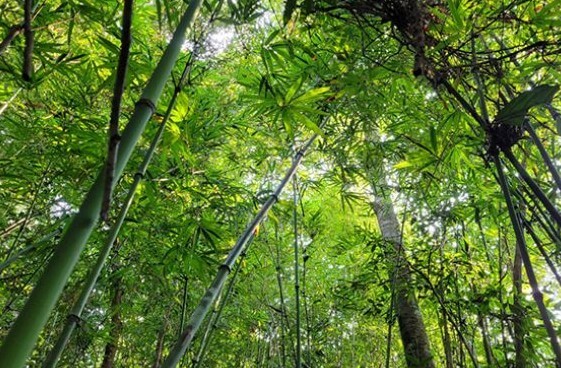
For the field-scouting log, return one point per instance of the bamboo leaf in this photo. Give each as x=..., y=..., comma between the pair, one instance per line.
x=516, y=110
x=308, y=123
x=312, y=95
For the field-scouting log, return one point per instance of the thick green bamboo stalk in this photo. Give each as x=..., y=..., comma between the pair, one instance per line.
x=76, y=312
x=213, y=291
x=521, y=244
x=25, y=331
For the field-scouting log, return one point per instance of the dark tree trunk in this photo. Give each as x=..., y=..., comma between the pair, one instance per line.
x=160, y=346
x=116, y=324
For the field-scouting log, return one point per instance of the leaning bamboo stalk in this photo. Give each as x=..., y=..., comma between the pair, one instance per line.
x=538, y=192
x=521, y=246
x=214, y=290
x=118, y=90
x=25, y=331
x=75, y=314
x=30, y=210
x=28, y=249
x=9, y=101
x=545, y=156
x=215, y=317
x=541, y=249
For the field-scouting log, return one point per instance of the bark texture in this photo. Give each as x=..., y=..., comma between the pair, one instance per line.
x=411, y=326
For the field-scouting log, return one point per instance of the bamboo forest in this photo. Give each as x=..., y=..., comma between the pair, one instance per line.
x=280, y=183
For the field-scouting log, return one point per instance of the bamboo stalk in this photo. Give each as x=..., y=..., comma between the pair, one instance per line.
x=16, y=30
x=118, y=90
x=183, y=304
x=305, y=258
x=283, y=319
x=296, y=271
x=521, y=245
x=30, y=210
x=217, y=313
x=545, y=156
x=538, y=192
x=76, y=312
x=542, y=250
x=25, y=331
x=214, y=290
x=7, y=103
x=28, y=249
x=27, y=73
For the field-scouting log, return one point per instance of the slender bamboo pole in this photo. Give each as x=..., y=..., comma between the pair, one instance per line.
x=305, y=258
x=211, y=294
x=7, y=103
x=296, y=270
x=30, y=210
x=521, y=244
x=539, y=245
x=25, y=331
x=534, y=187
x=545, y=156
x=76, y=312
x=538, y=214
x=118, y=90
x=283, y=319
x=183, y=304
x=27, y=73
x=28, y=249
x=217, y=313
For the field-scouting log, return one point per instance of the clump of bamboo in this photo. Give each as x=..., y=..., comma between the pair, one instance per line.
x=25, y=331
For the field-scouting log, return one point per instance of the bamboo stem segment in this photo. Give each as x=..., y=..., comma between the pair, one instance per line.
x=75, y=314
x=118, y=90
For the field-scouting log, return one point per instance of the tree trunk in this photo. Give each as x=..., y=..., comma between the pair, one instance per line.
x=116, y=324
x=410, y=321
x=446, y=341
x=160, y=345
